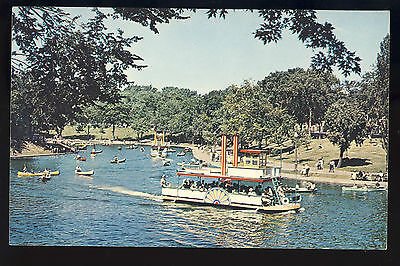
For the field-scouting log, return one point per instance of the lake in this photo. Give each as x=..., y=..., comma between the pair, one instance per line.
x=120, y=206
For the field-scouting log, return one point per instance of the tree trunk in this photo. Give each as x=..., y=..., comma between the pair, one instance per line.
x=88, y=131
x=113, y=132
x=340, y=158
x=309, y=121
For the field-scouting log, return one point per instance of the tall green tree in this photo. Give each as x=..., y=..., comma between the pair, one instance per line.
x=306, y=94
x=345, y=123
x=374, y=94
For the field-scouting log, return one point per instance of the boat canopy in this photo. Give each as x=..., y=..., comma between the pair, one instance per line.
x=238, y=178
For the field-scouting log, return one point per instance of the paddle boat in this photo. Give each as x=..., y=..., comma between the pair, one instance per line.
x=182, y=153
x=119, y=148
x=142, y=149
x=115, y=160
x=364, y=188
x=187, y=149
x=133, y=146
x=306, y=187
x=21, y=173
x=257, y=188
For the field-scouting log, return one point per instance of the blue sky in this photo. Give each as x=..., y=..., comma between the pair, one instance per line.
x=208, y=54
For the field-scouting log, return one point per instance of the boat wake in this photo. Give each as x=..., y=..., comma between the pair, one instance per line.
x=125, y=191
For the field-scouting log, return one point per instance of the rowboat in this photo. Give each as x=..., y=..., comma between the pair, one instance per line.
x=81, y=146
x=45, y=176
x=118, y=161
x=37, y=174
x=96, y=152
x=364, y=188
x=308, y=187
x=80, y=158
x=86, y=173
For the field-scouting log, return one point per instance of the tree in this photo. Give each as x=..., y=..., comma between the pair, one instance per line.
x=306, y=94
x=345, y=123
x=374, y=93
x=70, y=65
x=248, y=112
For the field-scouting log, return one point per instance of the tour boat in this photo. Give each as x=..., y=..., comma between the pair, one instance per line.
x=86, y=173
x=253, y=188
x=36, y=174
x=364, y=188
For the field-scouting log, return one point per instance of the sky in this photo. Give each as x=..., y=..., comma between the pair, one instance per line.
x=211, y=54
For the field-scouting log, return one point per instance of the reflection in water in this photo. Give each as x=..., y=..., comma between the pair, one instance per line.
x=229, y=228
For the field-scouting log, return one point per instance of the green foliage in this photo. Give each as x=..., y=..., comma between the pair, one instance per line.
x=374, y=93
x=305, y=94
x=345, y=122
x=248, y=112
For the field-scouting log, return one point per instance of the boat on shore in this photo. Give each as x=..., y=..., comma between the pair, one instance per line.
x=53, y=173
x=257, y=188
x=364, y=188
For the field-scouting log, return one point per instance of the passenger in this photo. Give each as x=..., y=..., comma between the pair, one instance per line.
x=115, y=159
x=78, y=168
x=24, y=169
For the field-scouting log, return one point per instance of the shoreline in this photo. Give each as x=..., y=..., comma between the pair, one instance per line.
x=204, y=155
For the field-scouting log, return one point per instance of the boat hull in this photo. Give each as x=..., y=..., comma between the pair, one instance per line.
x=36, y=174
x=220, y=198
x=351, y=189
x=87, y=173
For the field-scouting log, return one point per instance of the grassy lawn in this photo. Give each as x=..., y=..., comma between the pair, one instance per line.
x=120, y=133
x=369, y=157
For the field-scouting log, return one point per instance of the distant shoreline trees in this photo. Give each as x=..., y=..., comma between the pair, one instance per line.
x=68, y=72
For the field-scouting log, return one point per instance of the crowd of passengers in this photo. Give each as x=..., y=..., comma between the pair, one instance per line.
x=231, y=188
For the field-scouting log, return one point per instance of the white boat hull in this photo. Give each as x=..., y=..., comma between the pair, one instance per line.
x=220, y=198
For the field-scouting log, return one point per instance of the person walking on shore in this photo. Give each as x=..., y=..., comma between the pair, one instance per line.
x=332, y=166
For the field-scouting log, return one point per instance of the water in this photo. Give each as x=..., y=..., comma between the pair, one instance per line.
x=120, y=206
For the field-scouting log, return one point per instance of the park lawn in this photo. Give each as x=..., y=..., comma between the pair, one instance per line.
x=369, y=157
x=120, y=133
